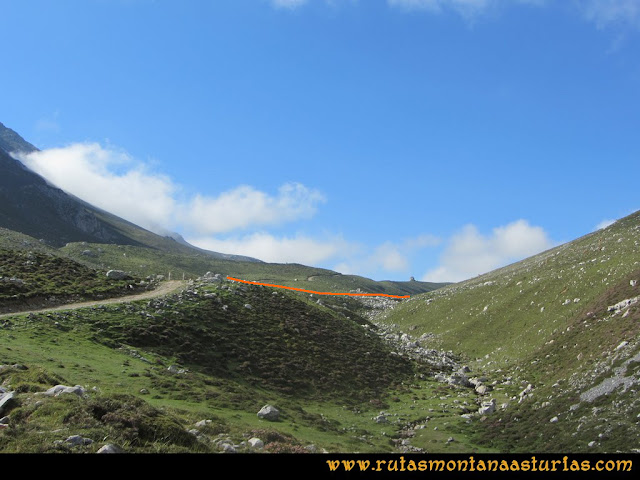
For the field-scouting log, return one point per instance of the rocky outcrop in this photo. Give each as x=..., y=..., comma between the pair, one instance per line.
x=211, y=278
x=63, y=389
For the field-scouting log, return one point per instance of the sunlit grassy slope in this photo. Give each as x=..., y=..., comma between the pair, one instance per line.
x=551, y=322
x=511, y=312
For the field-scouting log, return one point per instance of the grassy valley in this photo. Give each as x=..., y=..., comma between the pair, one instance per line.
x=539, y=356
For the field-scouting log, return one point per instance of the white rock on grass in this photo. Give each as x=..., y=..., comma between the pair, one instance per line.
x=256, y=443
x=487, y=408
x=60, y=389
x=269, y=412
x=6, y=399
x=110, y=448
x=78, y=440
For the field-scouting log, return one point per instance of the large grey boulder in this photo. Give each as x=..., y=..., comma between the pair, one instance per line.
x=269, y=412
x=482, y=389
x=6, y=400
x=459, y=379
x=487, y=408
x=256, y=443
x=75, y=440
x=109, y=448
x=117, y=275
x=60, y=389
x=212, y=277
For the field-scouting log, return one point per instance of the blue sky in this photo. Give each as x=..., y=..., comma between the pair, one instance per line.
x=438, y=139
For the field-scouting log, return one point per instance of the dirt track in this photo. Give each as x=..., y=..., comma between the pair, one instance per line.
x=164, y=289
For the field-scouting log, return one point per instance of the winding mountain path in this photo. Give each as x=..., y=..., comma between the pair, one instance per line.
x=164, y=289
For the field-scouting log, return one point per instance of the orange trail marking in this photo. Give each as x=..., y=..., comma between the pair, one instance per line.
x=320, y=293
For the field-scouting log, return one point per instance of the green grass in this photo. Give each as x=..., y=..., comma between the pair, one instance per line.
x=31, y=278
x=525, y=301
x=516, y=321
x=310, y=357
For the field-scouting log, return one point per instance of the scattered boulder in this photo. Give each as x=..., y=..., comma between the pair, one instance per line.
x=6, y=400
x=175, y=369
x=227, y=448
x=487, y=408
x=117, y=275
x=60, y=389
x=459, y=379
x=382, y=418
x=76, y=440
x=622, y=305
x=212, y=277
x=482, y=389
x=526, y=392
x=270, y=413
x=256, y=443
x=110, y=448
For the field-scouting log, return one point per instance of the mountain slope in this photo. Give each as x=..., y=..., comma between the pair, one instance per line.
x=10, y=141
x=514, y=310
x=562, y=328
x=31, y=205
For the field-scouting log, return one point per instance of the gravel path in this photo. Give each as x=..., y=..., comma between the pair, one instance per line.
x=164, y=289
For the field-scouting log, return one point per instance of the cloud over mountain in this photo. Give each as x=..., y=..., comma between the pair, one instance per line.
x=469, y=253
x=114, y=181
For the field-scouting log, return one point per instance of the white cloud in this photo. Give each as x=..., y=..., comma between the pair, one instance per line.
x=612, y=13
x=245, y=206
x=469, y=253
x=603, y=13
x=108, y=179
x=269, y=248
x=422, y=241
x=433, y=5
x=469, y=9
x=390, y=258
x=113, y=181
x=387, y=258
x=288, y=3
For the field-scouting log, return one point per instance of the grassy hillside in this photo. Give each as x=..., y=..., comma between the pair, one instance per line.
x=547, y=322
x=513, y=311
x=35, y=279
x=145, y=261
x=586, y=377
x=550, y=344
x=183, y=262
x=153, y=369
